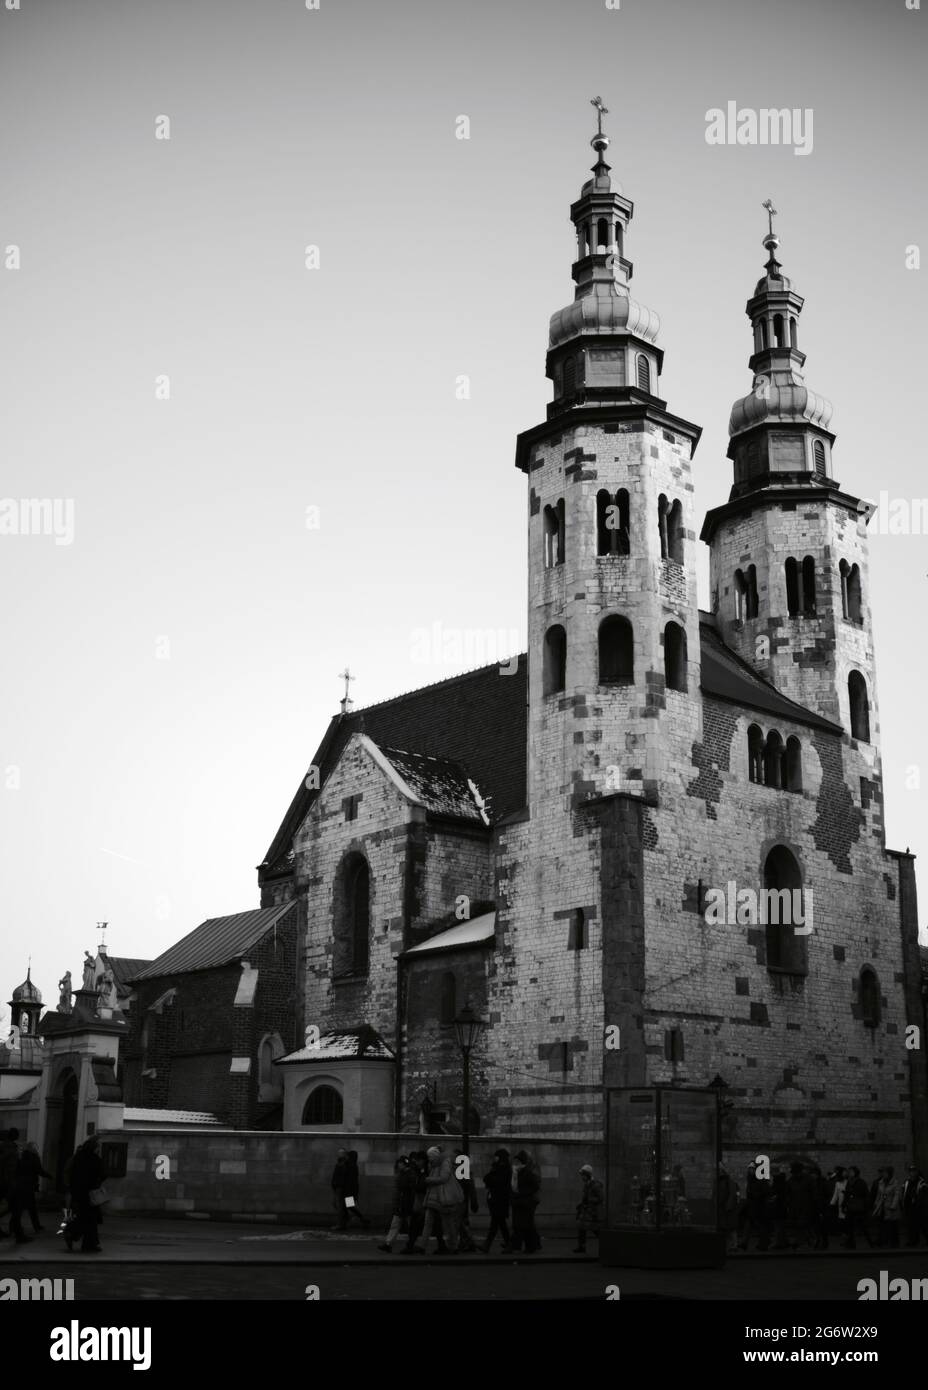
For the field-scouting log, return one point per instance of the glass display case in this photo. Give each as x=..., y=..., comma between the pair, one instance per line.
x=662, y=1157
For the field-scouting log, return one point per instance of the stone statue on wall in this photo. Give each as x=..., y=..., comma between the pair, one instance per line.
x=90, y=966
x=64, y=998
x=106, y=991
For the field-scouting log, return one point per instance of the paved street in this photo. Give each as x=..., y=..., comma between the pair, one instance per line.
x=154, y=1259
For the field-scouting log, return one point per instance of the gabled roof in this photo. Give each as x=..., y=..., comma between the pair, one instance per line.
x=442, y=786
x=726, y=676
x=479, y=931
x=362, y=1043
x=217, y=941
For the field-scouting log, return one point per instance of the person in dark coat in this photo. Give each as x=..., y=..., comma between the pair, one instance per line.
x=887, y=1207
x=86, y=1175
x=498, y=1182
x=756, y=1213
x=589, y=1208
x=778, y=1208
x=419, y=1165
x=727, y=1204
x=9, y=1159
x=346, y=1183
x=404, y=1192
x=915, y=1206
x=30, y=1165
x=524, y=1189
x=16, y=1184
x=801, y=1200
x=856, y=1207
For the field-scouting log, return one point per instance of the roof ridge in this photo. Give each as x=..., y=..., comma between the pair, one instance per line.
x=446, y=680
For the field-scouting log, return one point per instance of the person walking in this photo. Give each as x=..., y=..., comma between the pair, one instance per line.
x=497, y=1180
x=778, y=1204
x=524, y=1189
x=800, y=1207
x=86, y=1178
x=404, y=1191
x=856, y=1197
x=837, y=1183
x=31, y=1169
x=419, y=1167
x=914, y=1206
x=9, y=1159
x=727, y=1205
x=17, y=1185
x=443, y=1199
x=589, y=1208
x=346, y=1182
x=887, y=1208
x=756, y=1215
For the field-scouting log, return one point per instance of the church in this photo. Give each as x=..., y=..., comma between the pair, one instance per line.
x=540, y=840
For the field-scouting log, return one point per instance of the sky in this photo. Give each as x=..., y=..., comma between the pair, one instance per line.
x=313, y=491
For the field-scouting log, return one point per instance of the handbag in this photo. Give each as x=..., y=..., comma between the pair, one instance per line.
x=98, y=1195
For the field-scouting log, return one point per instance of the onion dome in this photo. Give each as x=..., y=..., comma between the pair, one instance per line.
x=27, y=993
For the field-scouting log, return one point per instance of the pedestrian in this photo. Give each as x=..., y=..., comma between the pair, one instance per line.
x=800, y=1207
x=887, y=1208
x=727, y=1205
x=820, y=1193
x=86, y=1180
x=756, y=1212
x=345, y=1188
x=404, y=1191
x=837, y=1183
x=466, y=1242
x=419, y=1167
x=16, y=1185
x=31, y=1168
x=855, y=1205
x=9, y=1159
x=589, y=1208
x=915, y=1206
x=524, y=1189
x=445, y=1199
x=778, y=1203
x=497, y=1180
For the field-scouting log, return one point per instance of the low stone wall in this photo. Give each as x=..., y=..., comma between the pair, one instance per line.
x=264, y=1176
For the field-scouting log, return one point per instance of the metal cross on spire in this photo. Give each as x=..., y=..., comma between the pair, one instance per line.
x=771, y=214
x=600, y=112
x=347, y=677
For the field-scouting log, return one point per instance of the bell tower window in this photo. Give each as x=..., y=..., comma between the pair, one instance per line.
x=859, y=707
x=616, y=652
x=675, y=657
x=643, y=372
x=818, y=458
x=554, y=534
x=612, y=528
x=554, y=673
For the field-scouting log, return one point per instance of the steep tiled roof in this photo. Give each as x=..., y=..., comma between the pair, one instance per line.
x=725, y=675
x=218, y=941
x=125, y=969
x=442, y=786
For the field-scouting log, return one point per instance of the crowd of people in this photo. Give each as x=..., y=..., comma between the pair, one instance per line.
x=20, y=1173
x=802, y=1206
x=431, y=1203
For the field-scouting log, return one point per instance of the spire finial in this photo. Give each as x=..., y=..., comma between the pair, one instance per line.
x=601, y=111
x=771, y=213
x=347, y=677
x=771, y=240
x=600, y=142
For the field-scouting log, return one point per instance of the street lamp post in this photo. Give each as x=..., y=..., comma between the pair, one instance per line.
x=467, y=1029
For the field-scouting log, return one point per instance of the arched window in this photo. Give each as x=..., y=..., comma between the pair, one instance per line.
x=612, y=528
x=447, y=1004
x=576, y=934
x=554, y=675
x=868, y=989
x=763, y=333
x=818, y=458
x=808, y=586
x=675, y=533
x=773, y=760
x=554, y=534
x=602, y=235
x=792, y=587
x=270, y=1084
x=616, y=652
x=758, y=341
x=751, y=596
x=755, y=754
x=352, y=917
x=618, y=238
x=854, y=600
x=663, y=508
x=643, y=372
x=323, y=1107
x=741, y=597
x=793, y=333
x=587, y=240
x=793, y=764
x=860, y=707
x=675, y=657
x=778, y=330
x=782, y=910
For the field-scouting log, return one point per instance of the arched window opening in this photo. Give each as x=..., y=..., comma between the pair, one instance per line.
x=618, y=238
x=577, y=931
x=616, y=652
x=869, y=996
x=751, y=596
x=554, y=675
x=818, y=458
x=612, y=528
x=663, y=508
x=843, y=570
x=643, y=372
x=675, y=533
x=602, y=235
x=352, y=917
x=793, y=764
x=854, y=599
x=763, y=333
x=755, y=754
x=860, y=707
x=778, y=330
x=675, y=657
x=741, y=597
x=758, y=342
x=808, y=587
x=323, y=1107
x=792, y=587
x=447, y=1003
x=586, y=239
x=554, y=535
x=782, y=910
x=793, y=333
x=773, y=760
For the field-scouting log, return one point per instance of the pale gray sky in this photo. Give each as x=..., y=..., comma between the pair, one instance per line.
x=149, y=787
